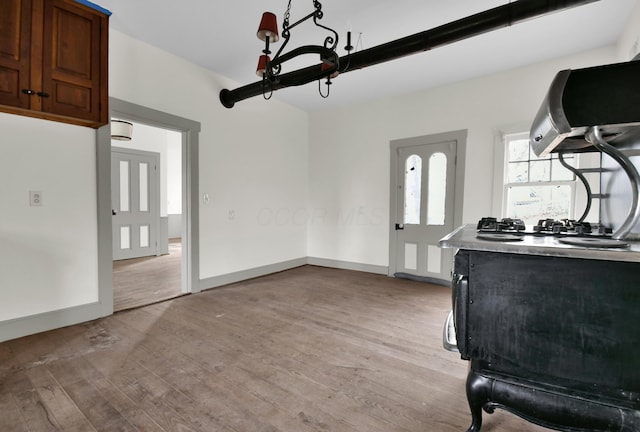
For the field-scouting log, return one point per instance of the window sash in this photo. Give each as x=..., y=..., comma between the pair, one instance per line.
x=570, y=183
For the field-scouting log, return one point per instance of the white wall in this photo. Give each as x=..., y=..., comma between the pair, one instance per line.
x=629, y=43
x=253, y=158
x=349, y=161
x=48, y=254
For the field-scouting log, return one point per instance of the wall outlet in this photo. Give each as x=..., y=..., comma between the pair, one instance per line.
x=35, y=198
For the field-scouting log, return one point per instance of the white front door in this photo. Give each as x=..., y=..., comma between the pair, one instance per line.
x=135, y=203
x=423, y=203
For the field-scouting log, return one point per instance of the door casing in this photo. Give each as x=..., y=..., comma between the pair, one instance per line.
x=190, y=216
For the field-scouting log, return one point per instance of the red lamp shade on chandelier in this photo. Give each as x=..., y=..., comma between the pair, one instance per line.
x=326, y=66
x=262, y=65
x=268, y=28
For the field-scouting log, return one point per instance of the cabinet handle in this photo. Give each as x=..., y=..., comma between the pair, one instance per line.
x=28, y=91
x=43, y=94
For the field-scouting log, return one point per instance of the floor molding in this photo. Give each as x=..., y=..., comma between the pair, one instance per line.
x=347, y=265
x=239, y=276
x=38, y=323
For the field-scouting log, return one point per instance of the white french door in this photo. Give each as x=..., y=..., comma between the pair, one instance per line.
x=423, y=204
x=135, y=203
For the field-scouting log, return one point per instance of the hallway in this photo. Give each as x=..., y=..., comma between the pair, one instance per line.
x=142, y=281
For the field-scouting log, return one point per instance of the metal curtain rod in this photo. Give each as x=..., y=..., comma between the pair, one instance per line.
x=473, y=25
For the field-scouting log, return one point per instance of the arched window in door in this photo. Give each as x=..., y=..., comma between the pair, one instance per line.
x=437, y=195
x=412, y=189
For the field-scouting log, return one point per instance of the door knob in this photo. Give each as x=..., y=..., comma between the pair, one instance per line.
x=113, y=212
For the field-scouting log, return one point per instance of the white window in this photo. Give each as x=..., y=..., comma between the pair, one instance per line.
x=412, y=189
x=436, y=199
x=536, y=187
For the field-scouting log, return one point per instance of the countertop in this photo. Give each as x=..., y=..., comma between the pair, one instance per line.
x=465, y=237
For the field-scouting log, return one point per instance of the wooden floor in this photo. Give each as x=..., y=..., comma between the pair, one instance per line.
x=142, y=281
x=310, y=349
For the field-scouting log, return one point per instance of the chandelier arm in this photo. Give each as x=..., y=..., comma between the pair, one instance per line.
x=264, y=87
x=328, y=88
x=292, y=80
x=275, y=70
x=330, y=41
x=346, y=66
x=324, y=53
x=300, y=21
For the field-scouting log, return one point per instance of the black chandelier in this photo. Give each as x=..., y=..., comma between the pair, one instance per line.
x=269, y=69
x=499, y=17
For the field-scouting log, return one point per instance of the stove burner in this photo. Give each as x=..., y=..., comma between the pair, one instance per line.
x=499, y=236
x=491, y=224
x=562, y=226
x=597, y=242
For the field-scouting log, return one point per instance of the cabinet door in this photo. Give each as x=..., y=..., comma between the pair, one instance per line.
x=15, y=41
x=74, y=62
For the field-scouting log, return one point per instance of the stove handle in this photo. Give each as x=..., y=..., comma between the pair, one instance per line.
x=460, y=313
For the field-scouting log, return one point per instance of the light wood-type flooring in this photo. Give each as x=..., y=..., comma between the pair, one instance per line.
x=309, y=349
x=142, y=281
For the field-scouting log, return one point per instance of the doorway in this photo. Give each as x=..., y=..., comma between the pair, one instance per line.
x=426, y=204
x=147, y=232
x=188, y=132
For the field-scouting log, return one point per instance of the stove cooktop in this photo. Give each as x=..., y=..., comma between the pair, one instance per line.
x=563, y=227
x=567, y=231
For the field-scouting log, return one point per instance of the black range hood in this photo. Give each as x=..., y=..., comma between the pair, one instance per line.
x=604, y=96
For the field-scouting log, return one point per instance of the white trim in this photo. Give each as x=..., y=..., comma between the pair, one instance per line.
x=239, y=276
x=499, y=164
x=243, y=275
x=32, y=324
x=346, y=265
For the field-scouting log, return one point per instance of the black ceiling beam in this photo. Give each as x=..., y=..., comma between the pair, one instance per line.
x=483, y=22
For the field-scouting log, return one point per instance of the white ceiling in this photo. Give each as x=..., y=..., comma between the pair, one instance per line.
x=221, y=36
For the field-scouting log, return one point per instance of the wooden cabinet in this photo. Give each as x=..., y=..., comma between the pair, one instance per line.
x=54, y=61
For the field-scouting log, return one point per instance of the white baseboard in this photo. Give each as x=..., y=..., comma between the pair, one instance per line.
x=38, y=323
x=239, y=276
x=346, y=265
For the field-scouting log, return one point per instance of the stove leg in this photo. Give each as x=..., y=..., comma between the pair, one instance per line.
x=478, y=391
